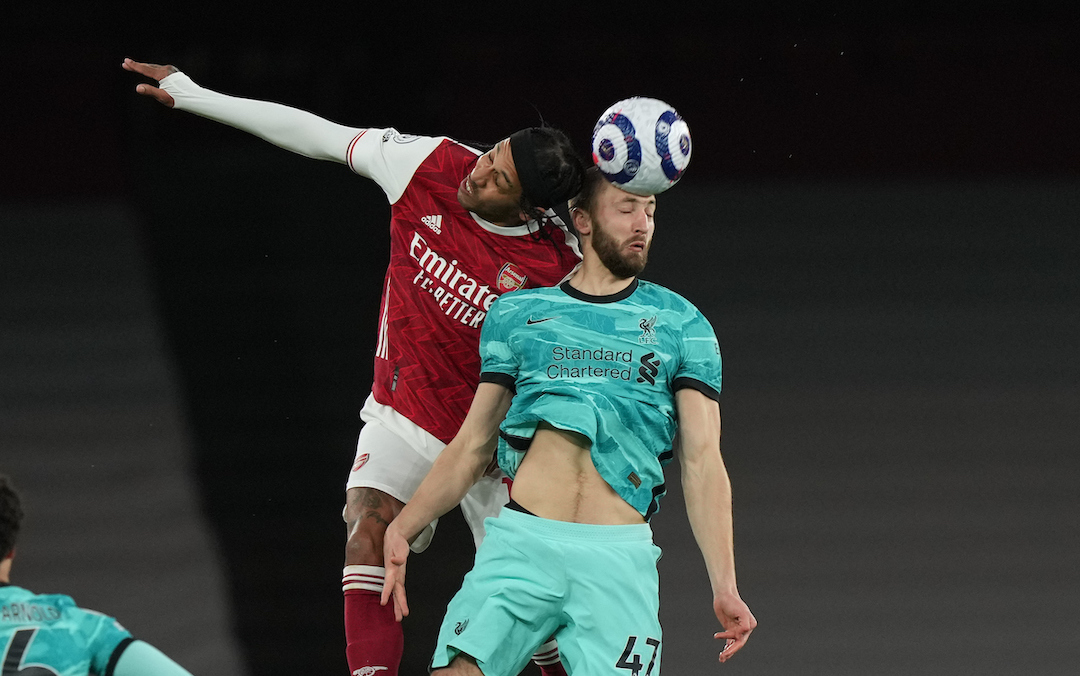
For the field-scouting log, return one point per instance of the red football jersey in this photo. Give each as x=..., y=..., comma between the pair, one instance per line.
x=447, y=266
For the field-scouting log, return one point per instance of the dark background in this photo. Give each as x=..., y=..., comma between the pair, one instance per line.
x=880, y=218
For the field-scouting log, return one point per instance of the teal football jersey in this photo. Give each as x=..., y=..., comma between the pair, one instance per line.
x=605, y=367
x=48, y=635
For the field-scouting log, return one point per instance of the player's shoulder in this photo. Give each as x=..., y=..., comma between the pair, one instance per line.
x=663, y=297
x=531, y=294
x=389, y=137
x=389, y=142
x=21, y=602
x=438, y=145
x=525, y=299
x=12, y=592
x=441, y=155
x=465, y=147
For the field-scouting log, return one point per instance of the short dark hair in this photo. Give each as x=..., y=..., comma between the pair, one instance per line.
x=558, y=166
x=11, y=515
x=590, y=186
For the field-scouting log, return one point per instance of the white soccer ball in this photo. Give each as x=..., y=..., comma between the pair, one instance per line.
x=641, y=145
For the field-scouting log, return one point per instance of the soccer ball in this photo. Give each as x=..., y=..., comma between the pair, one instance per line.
x=641, y=145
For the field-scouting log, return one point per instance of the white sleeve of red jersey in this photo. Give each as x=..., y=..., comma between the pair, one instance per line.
x=390, y=158
x=289, y=128
x=386, y=156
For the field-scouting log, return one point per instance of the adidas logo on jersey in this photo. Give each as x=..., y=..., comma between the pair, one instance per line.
x=433, y=222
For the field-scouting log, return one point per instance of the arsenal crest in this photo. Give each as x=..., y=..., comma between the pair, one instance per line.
x=511, y=278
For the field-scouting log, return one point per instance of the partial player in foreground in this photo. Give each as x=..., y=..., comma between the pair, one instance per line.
x=583, y=386
x=48, y=635
x=465, y=227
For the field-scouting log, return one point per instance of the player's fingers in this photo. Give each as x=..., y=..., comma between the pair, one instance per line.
x=735, y=640
x=133, y=66
x=159, y=95
x=401, y=603
x=388, y=588
x=731, y=648
x=147, y=69
x=391, y=580
x=152, y=70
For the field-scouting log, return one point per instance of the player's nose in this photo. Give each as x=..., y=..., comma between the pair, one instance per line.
x=480, y=174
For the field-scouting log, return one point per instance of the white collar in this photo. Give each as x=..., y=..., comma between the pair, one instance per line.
x=511, y=231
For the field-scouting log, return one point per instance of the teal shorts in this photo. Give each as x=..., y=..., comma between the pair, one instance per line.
x=595, y=588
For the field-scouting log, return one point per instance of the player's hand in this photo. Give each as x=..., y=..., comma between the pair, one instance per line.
x=156, y=72
x=737, y=620
x=395, y=554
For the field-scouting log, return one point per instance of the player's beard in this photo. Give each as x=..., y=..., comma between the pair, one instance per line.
x=622, y=265
x=500, y=214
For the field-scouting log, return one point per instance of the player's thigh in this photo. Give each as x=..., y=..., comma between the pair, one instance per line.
x=461, y=666
x=615, y=606
x=387, y=462
x=393, y=455
x=508, y=604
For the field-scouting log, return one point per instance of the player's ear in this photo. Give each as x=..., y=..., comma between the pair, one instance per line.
x=582, y=222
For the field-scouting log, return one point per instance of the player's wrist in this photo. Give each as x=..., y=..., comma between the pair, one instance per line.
x=394, y=530
x=402, y=527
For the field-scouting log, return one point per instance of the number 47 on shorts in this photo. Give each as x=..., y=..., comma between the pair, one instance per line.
x=631, y=661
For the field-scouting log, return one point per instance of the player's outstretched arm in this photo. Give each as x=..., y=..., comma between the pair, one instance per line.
x=707, y=490
x=458, y=467
x=295, y=130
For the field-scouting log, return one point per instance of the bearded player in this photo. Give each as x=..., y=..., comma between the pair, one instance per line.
x=583, y=388
x=465, y=227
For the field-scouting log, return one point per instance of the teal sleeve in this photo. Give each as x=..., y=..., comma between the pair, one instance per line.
x=139, y=658
x=496, y=354
x=700, y=366
x=102, y=635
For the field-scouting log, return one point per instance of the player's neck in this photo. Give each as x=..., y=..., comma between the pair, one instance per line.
x=5, y=571
x=594, y=279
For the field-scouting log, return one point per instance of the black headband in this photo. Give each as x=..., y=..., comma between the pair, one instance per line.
x=538, y=191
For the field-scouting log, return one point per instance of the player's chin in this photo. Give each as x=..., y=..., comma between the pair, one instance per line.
x=465, y=199
x=636, y=260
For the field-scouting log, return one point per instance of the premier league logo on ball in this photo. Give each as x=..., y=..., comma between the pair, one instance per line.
x=641, y=145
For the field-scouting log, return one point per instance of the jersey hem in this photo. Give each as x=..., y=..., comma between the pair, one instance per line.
x=504, y=379
x=116, y=653
x=694, y=384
